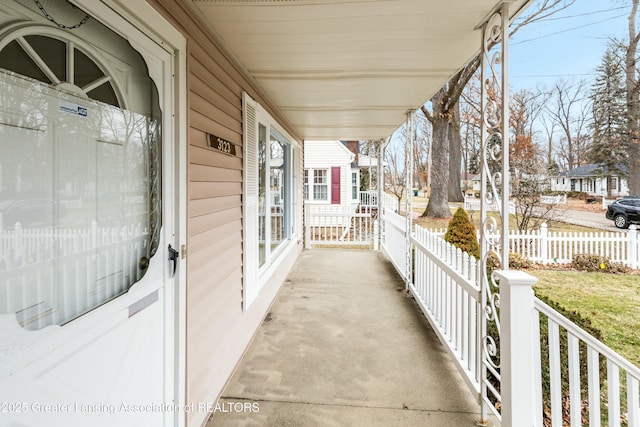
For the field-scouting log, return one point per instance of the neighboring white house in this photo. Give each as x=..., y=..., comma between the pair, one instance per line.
x=331, y=176
x=592, y=180
x=470, y=183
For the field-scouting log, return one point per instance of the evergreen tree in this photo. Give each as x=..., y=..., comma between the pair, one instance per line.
x=462, y=234
x=610, y=142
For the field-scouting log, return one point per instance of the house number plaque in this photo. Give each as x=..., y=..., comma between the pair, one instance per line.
x=221, y=144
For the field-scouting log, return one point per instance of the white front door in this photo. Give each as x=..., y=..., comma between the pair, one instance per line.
x=87, y=307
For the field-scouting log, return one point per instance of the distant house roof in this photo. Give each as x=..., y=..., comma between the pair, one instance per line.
x=593, y=169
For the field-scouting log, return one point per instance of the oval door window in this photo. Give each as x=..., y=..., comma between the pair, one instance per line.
x=80, y=197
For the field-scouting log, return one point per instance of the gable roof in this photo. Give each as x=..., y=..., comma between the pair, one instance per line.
x=593, y=169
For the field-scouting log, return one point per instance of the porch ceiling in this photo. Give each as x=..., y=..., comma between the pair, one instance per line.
x=349, y=69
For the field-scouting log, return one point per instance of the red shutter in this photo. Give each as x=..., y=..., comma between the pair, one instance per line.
x=335, y=185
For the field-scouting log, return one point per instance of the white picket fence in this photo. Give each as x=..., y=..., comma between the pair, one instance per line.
x=50, y=276
x=446, y=285
x=547, y=247
x=558, y=247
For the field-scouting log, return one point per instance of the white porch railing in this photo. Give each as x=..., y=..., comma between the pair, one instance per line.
x=445, y=286
x=583, y=349
x=369, y=199
x=329, y=227
x=395, y=238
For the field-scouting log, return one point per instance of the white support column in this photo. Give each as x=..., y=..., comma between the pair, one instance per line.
x=494, y=189
x=516, y=347
x=504, y=129
x=382, y=144
x=307, y=227
x=408, y=169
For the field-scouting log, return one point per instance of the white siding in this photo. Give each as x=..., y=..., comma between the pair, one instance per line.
x=558, y=185
x=328, y=154
x=324, y=154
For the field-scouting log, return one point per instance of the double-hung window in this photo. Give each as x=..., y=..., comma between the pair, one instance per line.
x=316, y=185
x=354, y=185
x=320, y=184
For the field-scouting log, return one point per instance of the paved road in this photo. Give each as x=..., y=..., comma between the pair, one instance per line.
x=587, y=219
x=583, y=218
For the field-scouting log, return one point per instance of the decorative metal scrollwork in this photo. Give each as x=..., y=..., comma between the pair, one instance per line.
x=494, y=186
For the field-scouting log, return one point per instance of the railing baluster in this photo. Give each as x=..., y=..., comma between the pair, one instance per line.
x=554, y=374
x=633, y=402
x=574, y=380
x=613, y=394
x=593, y=362
x=537, y=370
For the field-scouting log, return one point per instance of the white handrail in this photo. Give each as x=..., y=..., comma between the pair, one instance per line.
x=583, y=335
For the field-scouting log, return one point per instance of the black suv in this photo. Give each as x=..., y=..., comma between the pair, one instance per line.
x=624, y=211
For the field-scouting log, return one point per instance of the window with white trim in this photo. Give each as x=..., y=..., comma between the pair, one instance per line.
x=316, y=185
x=320, y=184
x=306, y=184
x=269, y=194
x=80, y=169
x=354, y=185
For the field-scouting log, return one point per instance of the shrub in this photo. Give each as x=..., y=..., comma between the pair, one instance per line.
x=577, y=195
x=519, y=263
x=591, y=262
x=516, y=262
x=462, y=234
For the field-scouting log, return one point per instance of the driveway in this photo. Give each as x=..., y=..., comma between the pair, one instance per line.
x=586, y=219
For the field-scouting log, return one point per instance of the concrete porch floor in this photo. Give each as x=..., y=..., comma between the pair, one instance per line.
x=342, y=346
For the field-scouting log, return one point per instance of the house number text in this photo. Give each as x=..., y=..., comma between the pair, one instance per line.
x=220, y=144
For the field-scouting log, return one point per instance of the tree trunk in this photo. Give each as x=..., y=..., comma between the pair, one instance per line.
x=633, y=107
x=455, y=156
x=438, y=206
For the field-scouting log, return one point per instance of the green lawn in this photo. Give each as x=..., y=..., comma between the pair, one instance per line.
x=610, y=301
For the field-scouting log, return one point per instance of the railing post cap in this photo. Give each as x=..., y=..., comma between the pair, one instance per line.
x=516, y=277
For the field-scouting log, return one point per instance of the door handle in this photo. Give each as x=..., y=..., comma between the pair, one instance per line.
x=173, y=256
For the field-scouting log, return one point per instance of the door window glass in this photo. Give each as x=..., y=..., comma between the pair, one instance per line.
x=80, y=183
